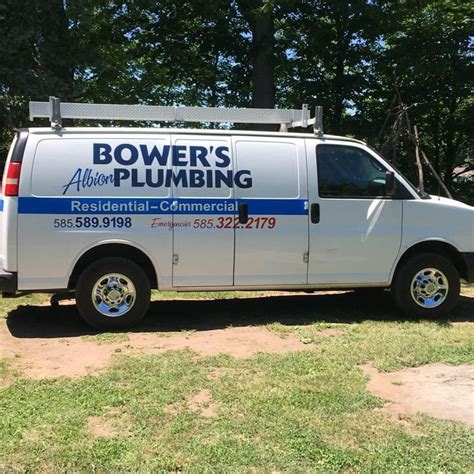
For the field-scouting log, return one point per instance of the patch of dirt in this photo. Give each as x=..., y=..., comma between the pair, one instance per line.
x=100, y=428
x=116, y=424
x=439, y=390
x=33, y=435
x=6, y=382
x=46, y=358
x=171, y=409
x=50, y=357
x=202, y=403
x=239, y=342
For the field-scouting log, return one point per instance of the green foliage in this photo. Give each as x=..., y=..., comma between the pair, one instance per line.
x=426, y=57
x=37, y=59
x=161, y=52
x=358, y=59
x=330, y=61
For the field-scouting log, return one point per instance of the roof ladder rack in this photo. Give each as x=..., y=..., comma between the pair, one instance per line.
x=56, y=111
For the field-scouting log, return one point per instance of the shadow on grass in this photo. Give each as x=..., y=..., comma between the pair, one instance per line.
x=202, y=315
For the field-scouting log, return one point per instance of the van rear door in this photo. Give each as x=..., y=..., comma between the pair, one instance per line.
x=9, y=202
x=3, y=237
x=270, y=249
x=3, y=227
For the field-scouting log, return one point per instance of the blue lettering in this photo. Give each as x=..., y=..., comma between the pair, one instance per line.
x=83, y=179
x=135, y=182
x=243, y=182
x=102, y=154
x=75, y=181
x=196, y=179
x=193, y=156
x=132, y=158
x=155, y=154
x=221, y=154
x=198, y=153
x=223, y=177
x=179, y=178
x=149, y=174
x=119, y=175
x=179, y=153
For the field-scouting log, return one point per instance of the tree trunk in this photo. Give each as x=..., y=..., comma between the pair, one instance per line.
x=261, y=23
x=56, y=50
x=338, y=83
x=263, y=95
x=338, y=95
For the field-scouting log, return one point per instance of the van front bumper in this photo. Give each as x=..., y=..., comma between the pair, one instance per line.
x=469, y=261
x=8, y=282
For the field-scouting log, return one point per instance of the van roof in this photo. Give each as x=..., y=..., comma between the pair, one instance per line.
x=194, y=131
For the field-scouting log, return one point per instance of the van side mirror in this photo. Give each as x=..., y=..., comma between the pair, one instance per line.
x=389, y=183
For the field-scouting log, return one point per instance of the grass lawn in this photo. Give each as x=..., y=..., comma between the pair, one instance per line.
x=299, y=411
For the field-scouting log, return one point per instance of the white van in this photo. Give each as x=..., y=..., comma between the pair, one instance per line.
x=111, y=213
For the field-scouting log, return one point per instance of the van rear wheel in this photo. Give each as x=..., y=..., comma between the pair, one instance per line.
x=426, y=286
x=113, y=293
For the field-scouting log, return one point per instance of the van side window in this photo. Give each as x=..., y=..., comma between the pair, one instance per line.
x=349, y=172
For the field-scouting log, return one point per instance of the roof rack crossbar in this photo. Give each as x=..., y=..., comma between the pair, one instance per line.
x=56, y=111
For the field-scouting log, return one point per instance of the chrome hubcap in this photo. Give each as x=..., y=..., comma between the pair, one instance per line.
x=113, y=295
x=429, y=288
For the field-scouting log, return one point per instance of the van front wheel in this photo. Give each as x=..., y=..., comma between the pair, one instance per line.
x=113, y=293
x=426, y=286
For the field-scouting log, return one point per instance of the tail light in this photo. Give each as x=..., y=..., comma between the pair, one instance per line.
x=11, y=181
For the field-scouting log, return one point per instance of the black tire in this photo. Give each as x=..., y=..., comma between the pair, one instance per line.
x=402, y=285
x=138, y=305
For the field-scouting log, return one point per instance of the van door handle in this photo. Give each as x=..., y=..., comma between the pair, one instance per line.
x=243, y=213
x=315, y=213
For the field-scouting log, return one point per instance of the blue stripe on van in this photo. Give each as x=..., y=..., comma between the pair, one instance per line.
x=1, y=205
x=282, y=207
x=34, y=205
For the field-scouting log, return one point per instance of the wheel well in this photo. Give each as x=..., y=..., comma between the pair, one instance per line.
x=440, y=248
x=114, y=250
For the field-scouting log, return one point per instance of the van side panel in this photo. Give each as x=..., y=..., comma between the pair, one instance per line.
x=457, y=228
x=82, y=190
